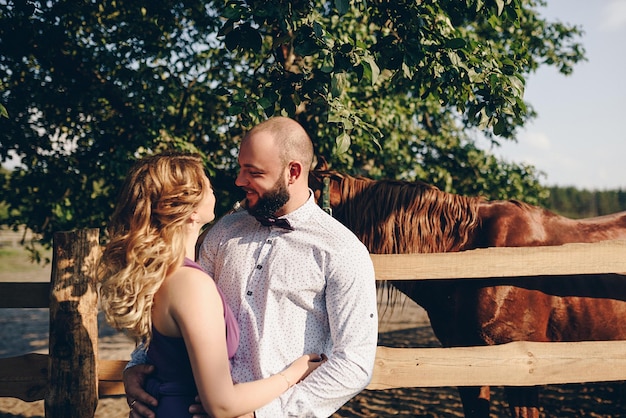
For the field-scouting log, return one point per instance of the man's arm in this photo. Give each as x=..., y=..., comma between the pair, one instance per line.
x=134, y=377
x=353, y=319
x=138, y=356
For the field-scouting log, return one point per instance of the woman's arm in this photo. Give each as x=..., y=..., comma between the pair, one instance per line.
x=196, y=306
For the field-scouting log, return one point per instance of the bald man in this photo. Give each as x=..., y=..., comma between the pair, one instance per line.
x=297, y=280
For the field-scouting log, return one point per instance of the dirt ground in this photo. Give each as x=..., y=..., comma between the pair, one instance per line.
x=25, y=330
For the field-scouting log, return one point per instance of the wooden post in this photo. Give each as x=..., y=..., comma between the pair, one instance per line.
x=73, y=374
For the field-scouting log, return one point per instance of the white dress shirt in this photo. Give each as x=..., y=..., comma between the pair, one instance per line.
x=310, y=290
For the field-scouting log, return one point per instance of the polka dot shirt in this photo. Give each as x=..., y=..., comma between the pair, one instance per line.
x=310, y=290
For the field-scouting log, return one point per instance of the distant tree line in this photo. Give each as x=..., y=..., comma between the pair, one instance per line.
x=575, y=203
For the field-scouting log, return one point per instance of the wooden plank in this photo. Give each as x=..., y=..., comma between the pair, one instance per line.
x=24, y=295
x=110, y=377
x=24, y=377
x=594, y=258
x=514, y=364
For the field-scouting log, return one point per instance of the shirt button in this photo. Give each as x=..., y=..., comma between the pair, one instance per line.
x=259, y=267
x=249, y=293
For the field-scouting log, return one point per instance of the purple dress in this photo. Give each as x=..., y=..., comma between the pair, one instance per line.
x=172, y=384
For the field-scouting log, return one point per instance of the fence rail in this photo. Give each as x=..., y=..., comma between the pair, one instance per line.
x=72, y=370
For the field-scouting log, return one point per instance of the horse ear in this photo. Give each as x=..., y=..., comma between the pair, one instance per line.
x=321, y=165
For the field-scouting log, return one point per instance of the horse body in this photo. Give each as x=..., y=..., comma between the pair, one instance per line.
x=395, y=217
x=517, y=224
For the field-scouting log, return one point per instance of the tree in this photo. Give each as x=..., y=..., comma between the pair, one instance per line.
x=575, y=203
x=385, y=88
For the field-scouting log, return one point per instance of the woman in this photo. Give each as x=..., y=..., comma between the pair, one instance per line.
x=153, y=289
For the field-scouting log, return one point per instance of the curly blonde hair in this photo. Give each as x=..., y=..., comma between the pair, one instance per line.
x=146, y=239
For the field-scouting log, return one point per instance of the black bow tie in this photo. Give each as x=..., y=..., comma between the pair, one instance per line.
x=278, y=222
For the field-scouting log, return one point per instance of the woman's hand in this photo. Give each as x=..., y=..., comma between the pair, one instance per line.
x=302, y=367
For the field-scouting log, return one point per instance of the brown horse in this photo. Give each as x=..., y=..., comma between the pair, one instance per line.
x=395, y=217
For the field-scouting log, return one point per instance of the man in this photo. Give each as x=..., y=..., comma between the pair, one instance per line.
x=305, y=287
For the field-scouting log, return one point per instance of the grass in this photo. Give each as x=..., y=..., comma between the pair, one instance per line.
x=16, y=262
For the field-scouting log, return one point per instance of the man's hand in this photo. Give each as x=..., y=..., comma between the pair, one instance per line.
x=137, y=398
x=197, y=410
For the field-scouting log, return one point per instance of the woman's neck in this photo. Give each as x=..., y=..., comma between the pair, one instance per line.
x=191, y=237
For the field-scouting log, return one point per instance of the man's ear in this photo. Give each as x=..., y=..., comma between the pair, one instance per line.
x=295, y=171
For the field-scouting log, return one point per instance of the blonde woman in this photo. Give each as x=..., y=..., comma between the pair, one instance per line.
x=153, y=290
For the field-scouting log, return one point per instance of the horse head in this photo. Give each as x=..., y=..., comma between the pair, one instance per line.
x=326, y=186
x=395, y=216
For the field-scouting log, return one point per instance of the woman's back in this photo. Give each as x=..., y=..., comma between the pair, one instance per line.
x=173, y=383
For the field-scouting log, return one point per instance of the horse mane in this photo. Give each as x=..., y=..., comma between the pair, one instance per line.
x=395, y=217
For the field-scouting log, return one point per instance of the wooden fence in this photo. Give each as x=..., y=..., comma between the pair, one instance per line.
x=71, y=378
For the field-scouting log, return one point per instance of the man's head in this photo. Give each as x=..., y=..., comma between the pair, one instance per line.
x=274, y=159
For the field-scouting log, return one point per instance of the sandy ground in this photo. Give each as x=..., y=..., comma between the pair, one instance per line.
x=25, y=330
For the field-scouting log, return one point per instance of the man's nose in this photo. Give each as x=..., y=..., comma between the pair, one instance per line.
x=239, y=181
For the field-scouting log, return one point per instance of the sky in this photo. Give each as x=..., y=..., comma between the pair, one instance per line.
x=579, y=136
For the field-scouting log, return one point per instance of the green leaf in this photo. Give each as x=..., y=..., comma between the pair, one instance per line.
x=287, y=104
x=500, y=126
x=455, y=60
x=371, y=70
x=270, y=95
x=233, y=38
x=338, y=84
x=233, y=11
x=455, y=43
x=484, y=119
x=318, y=29
x=343, y=142
x=518, y=85
x=328, y=63
x=250, y=39
x=342, y=6
x=234, y=110
x=222, y=91
x=334, y=118
x=500, y=4
x=265, y=103
x=305, y=43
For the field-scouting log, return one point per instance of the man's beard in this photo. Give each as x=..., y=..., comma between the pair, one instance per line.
x=271, y=201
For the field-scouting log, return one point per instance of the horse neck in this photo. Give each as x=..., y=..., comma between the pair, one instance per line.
x=401, y=217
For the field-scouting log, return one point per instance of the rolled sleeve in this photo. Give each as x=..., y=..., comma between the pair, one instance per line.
x=353, y=321
x=137, y=357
